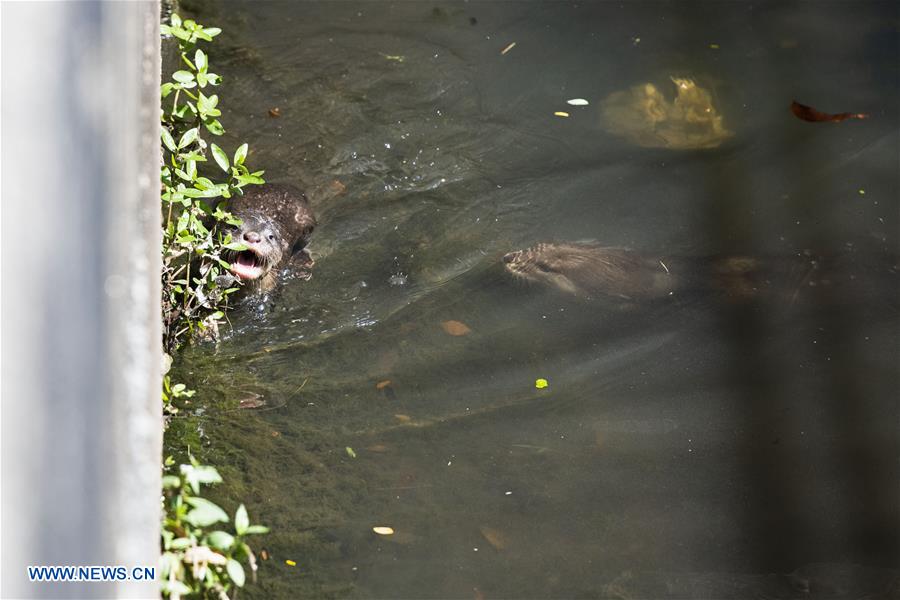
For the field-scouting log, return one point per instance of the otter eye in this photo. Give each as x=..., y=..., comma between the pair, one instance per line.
x=271, y=237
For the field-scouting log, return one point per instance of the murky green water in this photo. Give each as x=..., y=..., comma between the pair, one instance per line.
x=692, y=448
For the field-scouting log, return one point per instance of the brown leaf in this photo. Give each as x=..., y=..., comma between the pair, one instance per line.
x=494, y=537
x=337, y=187
x=378, y=448
x=808, y=113
x=275, y=112
x=403, y=418
x=383, y=384
x=455, y=328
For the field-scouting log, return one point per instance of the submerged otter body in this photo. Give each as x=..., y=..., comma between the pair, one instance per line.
x=593, y=271
x=596, y=272
x=276, y=222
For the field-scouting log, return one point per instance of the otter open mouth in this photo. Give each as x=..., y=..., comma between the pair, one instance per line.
x=248, y=265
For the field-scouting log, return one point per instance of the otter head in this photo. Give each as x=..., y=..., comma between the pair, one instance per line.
x=266, y=247
x=545, y=263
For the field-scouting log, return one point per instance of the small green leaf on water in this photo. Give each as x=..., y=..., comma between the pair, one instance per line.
x=350, y=452
x=541, y=383
x=714, y=46
x=862, y=192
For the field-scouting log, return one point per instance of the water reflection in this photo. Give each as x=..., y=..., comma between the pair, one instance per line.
x=682, y=448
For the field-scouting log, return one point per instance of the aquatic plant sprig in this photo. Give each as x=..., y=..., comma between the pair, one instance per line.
x=199, y=561
x=196, y=285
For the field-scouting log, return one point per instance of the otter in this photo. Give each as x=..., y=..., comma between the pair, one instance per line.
x=276, y=222
x=592, y=271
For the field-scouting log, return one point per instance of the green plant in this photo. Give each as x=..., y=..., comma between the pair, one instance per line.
x=199, y=561
x=196, y=281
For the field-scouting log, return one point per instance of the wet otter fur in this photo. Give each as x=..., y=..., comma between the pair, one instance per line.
x=593, y=271
x=276, y=222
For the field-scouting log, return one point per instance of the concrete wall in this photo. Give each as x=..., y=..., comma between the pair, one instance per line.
x=81, y=375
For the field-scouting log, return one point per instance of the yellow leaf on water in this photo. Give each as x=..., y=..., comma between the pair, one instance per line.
x=541, y=383
x=456, y=328
x=403, y=418
x=560, y=113
x=508, y=48
x=382, y=530
x=350, y=452
x=290, y=563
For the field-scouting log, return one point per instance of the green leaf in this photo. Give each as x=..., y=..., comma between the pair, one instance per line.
x=220, y=157
x=183, y=76
x=166, y=89
x=213, y=78
x=257, y=529
x=180, y=33
x=175, y=20
x=240, y=154
x=172, y=587
x=204, y=513
x=241, y=520
x=221, y=540
x=197, y=474
x=189, y=136
x=200, y=61
x=214, y=127
x=245, y=179
x=170, y=481
x=212, y=31
x=181, y=543
x=236, y=572
x=203, y=35
x=167, y=139
x=201, y=79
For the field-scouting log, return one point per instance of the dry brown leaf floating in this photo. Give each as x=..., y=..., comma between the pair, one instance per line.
x=275, y=112
x=494, y=537
x=383, y=384
x=456, y=328
x=403, y=418
x=808, y=113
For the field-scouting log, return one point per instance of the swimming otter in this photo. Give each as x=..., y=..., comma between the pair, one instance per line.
x=275, y=225
x=593, y=271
